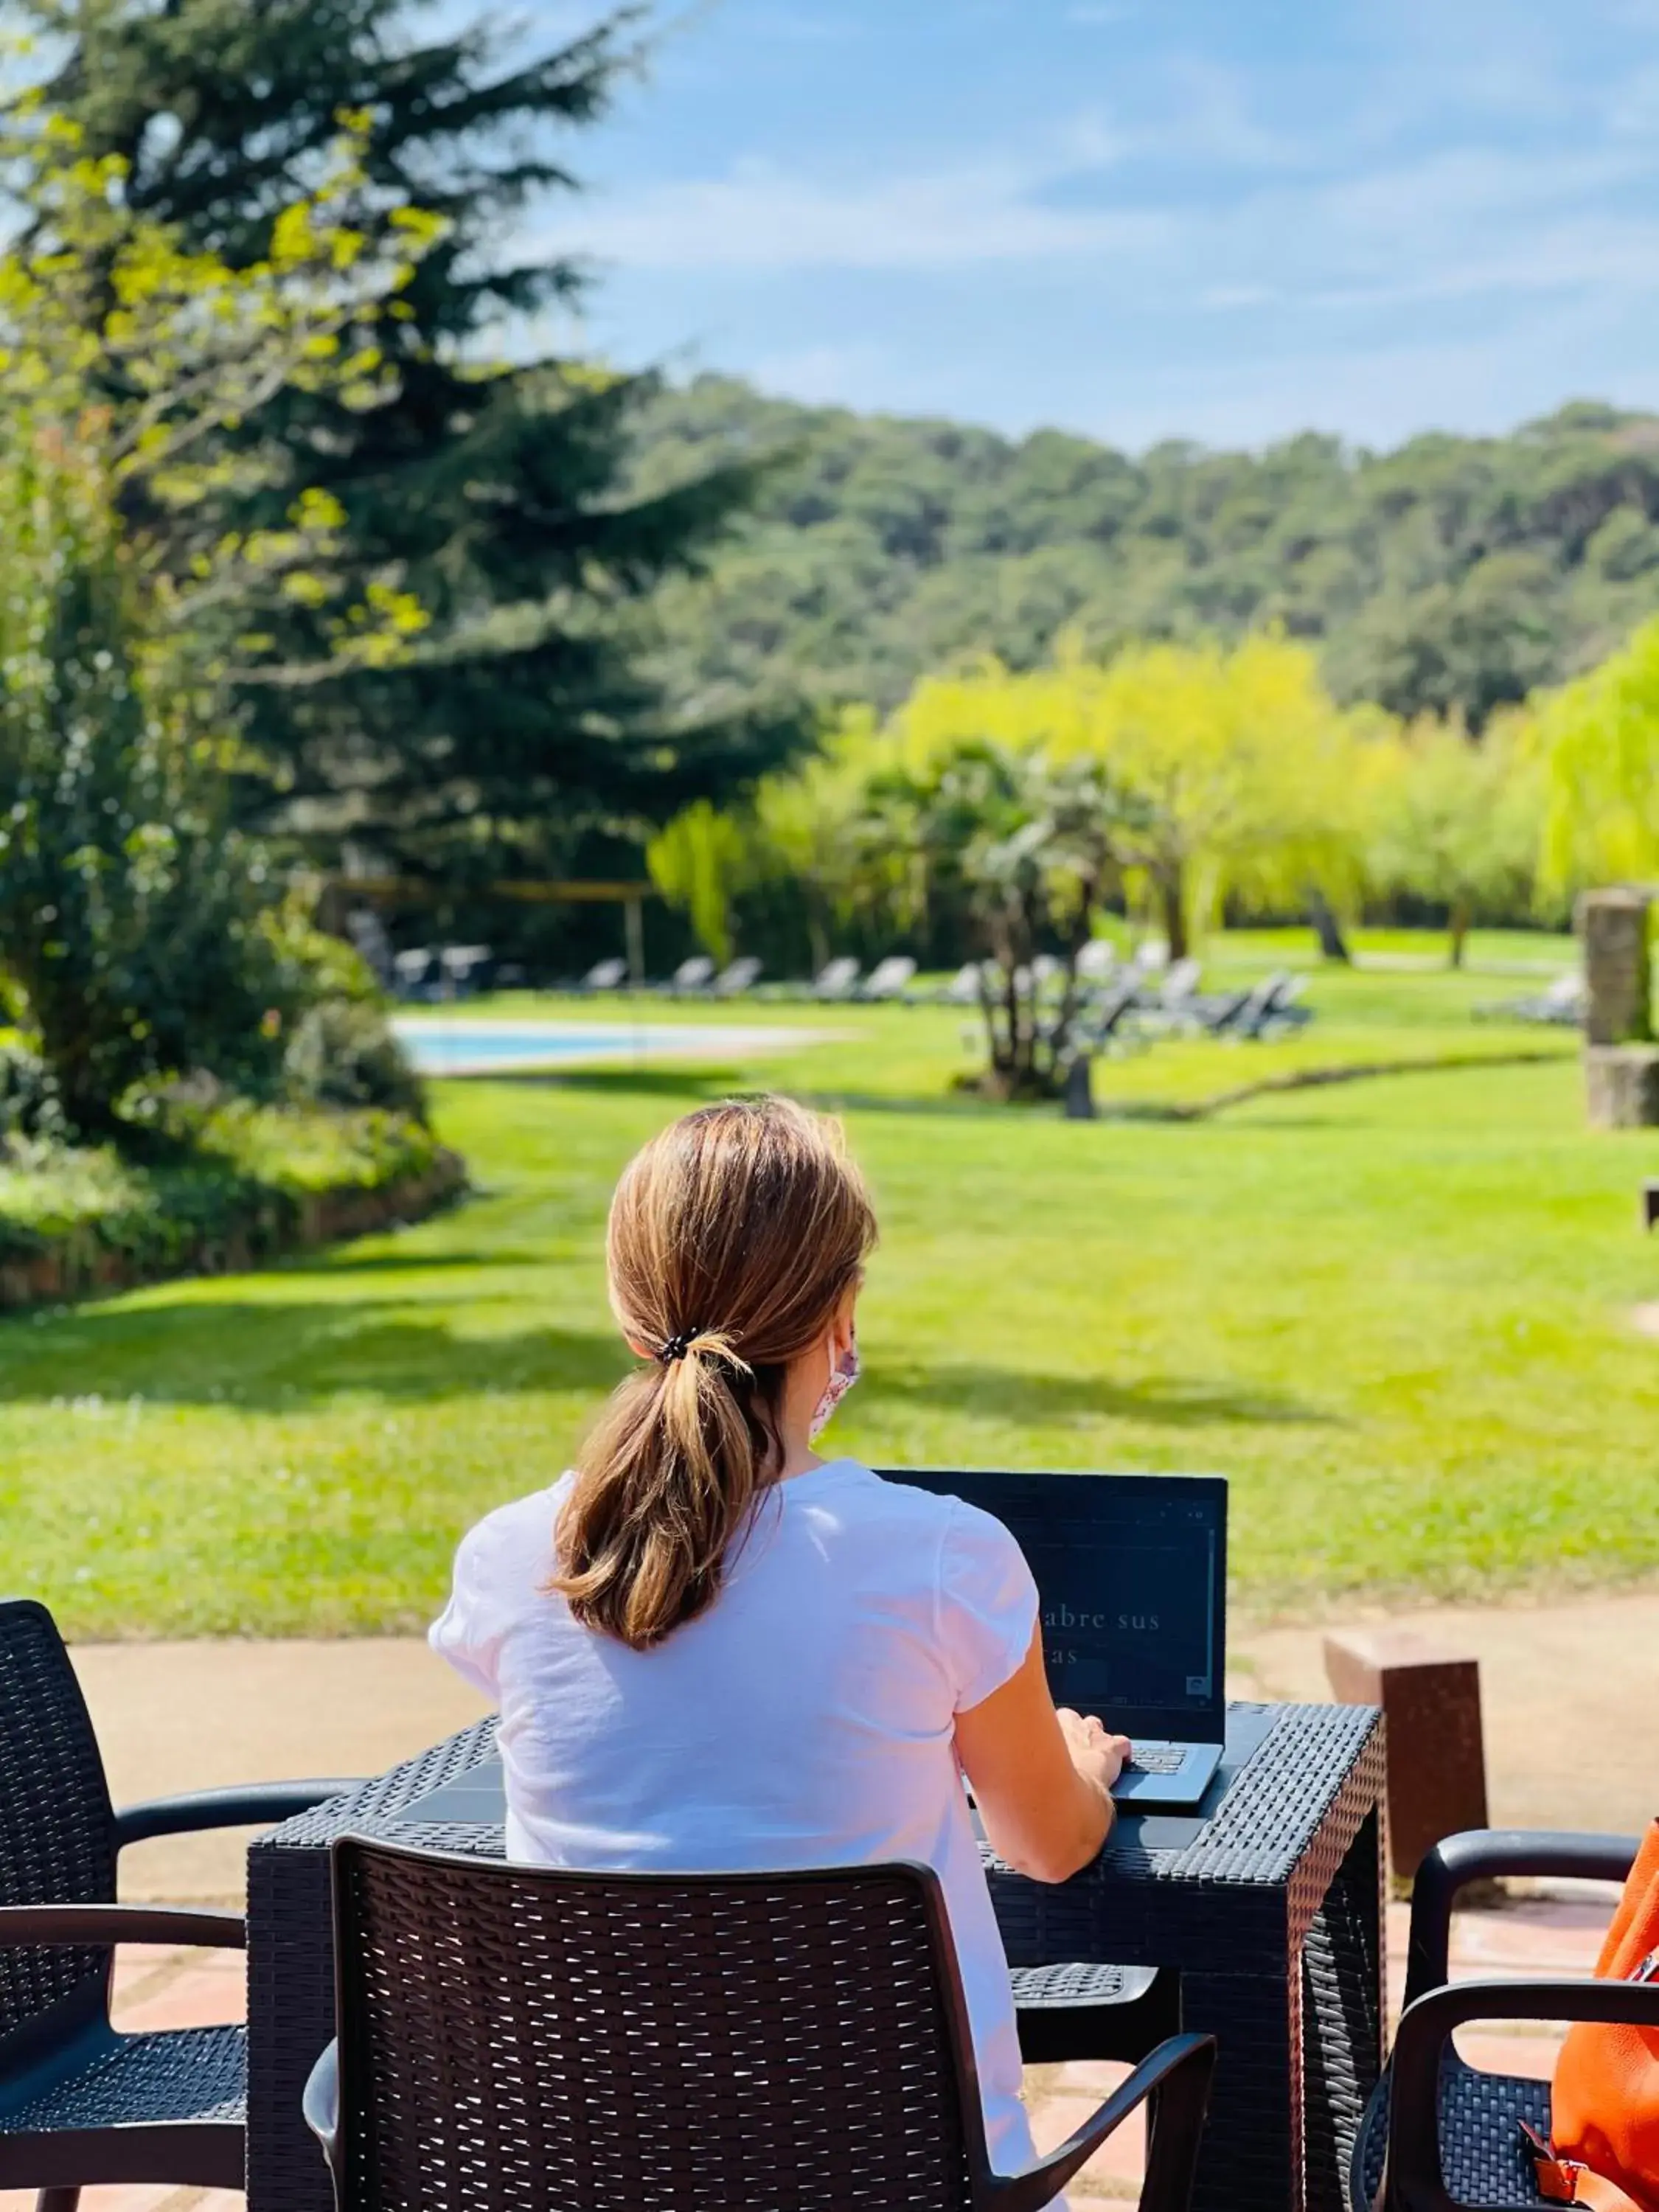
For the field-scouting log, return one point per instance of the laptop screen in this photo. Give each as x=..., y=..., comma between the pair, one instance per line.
x=1131, y=1578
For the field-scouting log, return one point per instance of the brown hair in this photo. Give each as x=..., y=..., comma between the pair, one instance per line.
x=734, y=1237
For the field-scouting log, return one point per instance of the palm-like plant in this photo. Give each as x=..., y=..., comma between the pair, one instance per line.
x=1028, y=850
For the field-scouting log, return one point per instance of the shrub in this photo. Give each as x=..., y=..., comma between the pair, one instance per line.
x=342, y=1053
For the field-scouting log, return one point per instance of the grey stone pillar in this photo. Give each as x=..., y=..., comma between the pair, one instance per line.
x=1618, y=973
x=1621, y=1061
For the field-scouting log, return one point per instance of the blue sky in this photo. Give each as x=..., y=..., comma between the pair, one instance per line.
x=1226, y=220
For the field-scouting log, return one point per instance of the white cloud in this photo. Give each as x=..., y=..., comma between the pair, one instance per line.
x=760, y=217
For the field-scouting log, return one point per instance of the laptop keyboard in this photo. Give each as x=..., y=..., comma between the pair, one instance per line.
x=1169, y=1760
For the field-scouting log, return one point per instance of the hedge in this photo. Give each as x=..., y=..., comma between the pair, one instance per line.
x=254, y=1182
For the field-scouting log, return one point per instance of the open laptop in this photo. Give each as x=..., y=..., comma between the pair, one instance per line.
x=1132, y=1588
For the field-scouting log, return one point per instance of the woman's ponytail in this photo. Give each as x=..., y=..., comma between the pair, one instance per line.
x=734, y=1237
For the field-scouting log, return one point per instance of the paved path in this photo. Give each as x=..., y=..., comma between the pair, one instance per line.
x=1570, y=1692
x=1572, y=1695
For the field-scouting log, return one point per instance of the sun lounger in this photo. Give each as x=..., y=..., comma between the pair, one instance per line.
x=739, y=977
x=1173, y=1002
x=1099, y=1025
x=605, y=976
x=691, y=977
x=412, y=971
x=1267, y=1009
x=463, y=966
x=962, y=989
x=888, y=978
x=837, y=981
x=1563, y=1003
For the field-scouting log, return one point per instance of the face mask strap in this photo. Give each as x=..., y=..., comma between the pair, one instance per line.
x=841, y=1379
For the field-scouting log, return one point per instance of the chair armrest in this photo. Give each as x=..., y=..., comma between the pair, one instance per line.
x=259, y=1804
x=1478, y=1855
x=1176, y=2077
x=321, y=2102
x=1426, y=2025
x=43, y=1927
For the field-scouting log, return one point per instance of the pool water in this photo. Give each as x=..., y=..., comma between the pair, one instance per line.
x=459, y=1046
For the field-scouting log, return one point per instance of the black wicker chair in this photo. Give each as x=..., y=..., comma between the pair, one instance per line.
x=79, y=2103
x=526, y=2039
x=1439, y=2135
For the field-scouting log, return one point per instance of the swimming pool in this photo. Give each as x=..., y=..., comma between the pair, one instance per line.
x=455, y=1046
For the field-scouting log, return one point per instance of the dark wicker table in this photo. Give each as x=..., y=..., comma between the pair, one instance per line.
x=1269, y=1910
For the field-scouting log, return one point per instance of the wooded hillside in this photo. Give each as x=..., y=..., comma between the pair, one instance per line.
x=1454, y=572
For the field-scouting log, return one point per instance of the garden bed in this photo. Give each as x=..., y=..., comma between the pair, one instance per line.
x=254, y=1183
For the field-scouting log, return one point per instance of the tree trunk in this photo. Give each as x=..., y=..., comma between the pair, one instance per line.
x=1172, y=911
x=1458, y=924
x=1333, y=945
x=817, y=939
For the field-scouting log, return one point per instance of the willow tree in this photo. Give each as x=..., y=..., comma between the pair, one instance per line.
x=1455, y=821
x=699, y=861
x=1598, y=739
x=1245, y=776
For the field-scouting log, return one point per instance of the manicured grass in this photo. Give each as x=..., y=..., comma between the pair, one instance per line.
x=1396, y=1312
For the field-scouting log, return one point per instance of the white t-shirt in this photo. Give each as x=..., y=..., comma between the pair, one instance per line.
x=806, y=1719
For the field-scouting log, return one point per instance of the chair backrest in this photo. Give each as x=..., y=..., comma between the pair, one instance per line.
x=528, y=2040
x=890, y=977
x=57, y=1827
x=1183, y=980
x=840, y=974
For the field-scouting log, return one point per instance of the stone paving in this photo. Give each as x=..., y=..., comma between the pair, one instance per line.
x=1541, y=1936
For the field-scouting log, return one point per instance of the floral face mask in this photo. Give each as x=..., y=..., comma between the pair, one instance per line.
x=841, y=1379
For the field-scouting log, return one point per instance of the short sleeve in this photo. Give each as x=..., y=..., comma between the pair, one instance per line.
x=468, y=1631
x=988, y=1603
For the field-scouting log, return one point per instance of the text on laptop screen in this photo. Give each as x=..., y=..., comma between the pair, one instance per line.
x=1130, y=1572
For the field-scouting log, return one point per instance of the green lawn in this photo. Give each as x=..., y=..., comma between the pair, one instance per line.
x=1394, y=1311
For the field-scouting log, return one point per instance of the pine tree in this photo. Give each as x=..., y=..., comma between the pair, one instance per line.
x=532, y=730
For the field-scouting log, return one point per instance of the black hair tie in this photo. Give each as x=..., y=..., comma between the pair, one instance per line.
x=677, y=1347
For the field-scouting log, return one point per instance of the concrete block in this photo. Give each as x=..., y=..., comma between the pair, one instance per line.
x=1621, y=1085
x=1618, y=975
x=1430, y=1694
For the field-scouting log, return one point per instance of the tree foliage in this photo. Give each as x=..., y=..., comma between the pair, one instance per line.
x=142, y=927
x=697, y=861
x=1028, y=850
x=1599, y=738
x=1241, y=771
x=1457, y=824
x=537, y=726
x=1455, y=574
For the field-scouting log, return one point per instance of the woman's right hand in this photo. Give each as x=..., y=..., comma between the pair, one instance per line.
x=1040, y=1778
x=1098, y=1756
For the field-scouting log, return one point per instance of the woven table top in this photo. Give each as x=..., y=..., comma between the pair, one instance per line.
x=1272, y=1807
